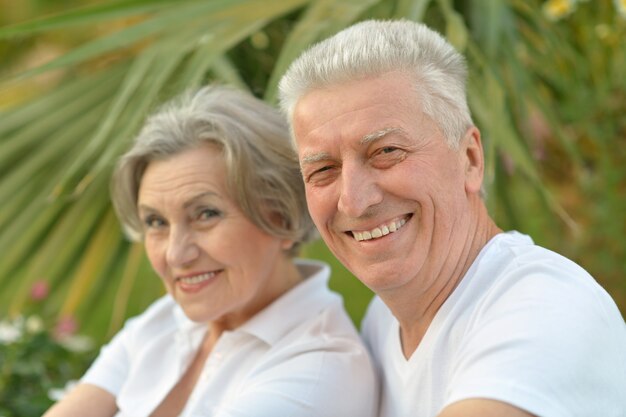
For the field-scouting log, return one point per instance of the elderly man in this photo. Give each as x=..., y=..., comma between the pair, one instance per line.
x=468, y=320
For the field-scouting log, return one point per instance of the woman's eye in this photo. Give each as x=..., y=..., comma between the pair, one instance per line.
x=154, y=222
x=207, y=214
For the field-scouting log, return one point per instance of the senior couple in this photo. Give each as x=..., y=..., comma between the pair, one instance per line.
x=468, y=320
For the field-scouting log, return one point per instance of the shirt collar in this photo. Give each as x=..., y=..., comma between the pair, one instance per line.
x=303, y=301
x=298, y=304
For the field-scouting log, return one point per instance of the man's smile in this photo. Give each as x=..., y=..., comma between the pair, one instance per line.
x=381, y=230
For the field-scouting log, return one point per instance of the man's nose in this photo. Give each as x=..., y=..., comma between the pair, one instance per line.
x=359, y=190
x=182, y=248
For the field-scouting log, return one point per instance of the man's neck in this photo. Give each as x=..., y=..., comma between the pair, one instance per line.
x=416, y=304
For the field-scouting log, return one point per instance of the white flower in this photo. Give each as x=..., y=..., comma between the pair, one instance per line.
x=34, y=324
x=9, y=332
x=56, y=394
x=76, y=343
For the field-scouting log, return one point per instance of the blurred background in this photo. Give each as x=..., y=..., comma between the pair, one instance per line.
x=547, y=87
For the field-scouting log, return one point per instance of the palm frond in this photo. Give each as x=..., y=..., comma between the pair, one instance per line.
x=57, y=149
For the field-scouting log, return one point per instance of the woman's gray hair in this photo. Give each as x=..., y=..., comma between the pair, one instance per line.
x=374, y=47
x=262, y=170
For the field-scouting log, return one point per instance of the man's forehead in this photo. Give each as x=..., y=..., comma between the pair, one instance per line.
x=360, y=92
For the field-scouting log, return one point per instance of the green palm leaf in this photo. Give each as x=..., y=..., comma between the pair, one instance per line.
x=57, y=150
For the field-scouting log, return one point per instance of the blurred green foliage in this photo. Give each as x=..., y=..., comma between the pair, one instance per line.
x=77, y=78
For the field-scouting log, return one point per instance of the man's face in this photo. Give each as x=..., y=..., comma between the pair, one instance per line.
x=386, y=192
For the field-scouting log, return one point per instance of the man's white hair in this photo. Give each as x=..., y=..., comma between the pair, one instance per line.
x=375, y=47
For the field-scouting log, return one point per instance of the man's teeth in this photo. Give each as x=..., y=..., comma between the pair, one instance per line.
x=197, y=279
x=382, y=230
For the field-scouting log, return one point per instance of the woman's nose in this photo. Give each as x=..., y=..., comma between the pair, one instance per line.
x=182, y=248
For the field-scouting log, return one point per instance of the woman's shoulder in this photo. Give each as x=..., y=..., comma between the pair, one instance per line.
x=310, y=314
x=316, y=359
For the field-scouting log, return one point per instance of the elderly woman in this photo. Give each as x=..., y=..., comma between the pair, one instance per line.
x=212, y=187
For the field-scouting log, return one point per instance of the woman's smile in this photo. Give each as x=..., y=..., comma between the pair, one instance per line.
x=196, y=282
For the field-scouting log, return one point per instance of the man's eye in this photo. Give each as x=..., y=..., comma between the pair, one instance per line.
x=319, y=174
x=322, y=169
x=388, y=149
x=388, y=156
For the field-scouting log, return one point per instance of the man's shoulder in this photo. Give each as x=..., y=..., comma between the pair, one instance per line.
x=513, y=263
x=519, y=249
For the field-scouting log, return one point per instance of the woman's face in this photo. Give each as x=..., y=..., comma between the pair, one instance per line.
x=215, y=262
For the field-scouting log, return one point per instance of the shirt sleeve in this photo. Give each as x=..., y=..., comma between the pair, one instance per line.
x=110, y=369
x=547, y=345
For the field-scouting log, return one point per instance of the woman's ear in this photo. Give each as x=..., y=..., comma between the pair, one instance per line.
x=278, y=220
x=287, y=244
x=472, y=154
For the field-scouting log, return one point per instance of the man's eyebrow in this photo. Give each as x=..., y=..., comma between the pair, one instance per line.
x=379, y=134
x=370, y=137
x=316, y=157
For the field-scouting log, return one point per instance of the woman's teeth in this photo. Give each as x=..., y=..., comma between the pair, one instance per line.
x=379, y=231
x=197, y=278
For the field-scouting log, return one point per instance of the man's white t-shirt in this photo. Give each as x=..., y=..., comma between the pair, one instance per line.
x=300, y=356
x=525, y=326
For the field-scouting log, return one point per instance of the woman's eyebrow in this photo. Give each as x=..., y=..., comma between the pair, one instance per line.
x=200, y=196
x=144, y=207
x=187, y=204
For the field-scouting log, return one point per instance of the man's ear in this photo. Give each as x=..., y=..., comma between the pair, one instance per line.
x=474, y=160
